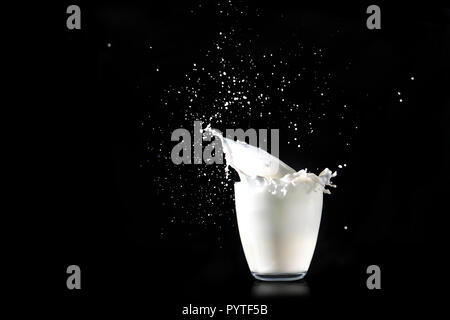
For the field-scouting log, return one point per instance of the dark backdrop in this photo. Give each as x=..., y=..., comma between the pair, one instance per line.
x=103, y=209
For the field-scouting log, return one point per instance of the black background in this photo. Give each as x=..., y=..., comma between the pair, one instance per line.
x=100, y=212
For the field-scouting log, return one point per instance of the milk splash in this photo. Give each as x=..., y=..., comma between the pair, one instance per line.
x=260, y=169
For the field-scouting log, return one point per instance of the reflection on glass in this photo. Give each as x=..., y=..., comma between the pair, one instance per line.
x=262, y=289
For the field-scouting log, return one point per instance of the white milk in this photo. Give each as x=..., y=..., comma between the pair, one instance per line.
x=278, y=211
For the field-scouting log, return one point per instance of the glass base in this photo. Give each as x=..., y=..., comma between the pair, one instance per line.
x=280, y=276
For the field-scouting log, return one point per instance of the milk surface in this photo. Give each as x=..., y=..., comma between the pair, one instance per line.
x=278, y=210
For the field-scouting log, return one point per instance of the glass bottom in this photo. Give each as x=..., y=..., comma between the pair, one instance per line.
x=279, y=276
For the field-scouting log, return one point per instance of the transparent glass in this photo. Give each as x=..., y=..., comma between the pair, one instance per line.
x=279, y=277
x=278, y=233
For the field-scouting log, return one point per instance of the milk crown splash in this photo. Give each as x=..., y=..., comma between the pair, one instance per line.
x=260, y=169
